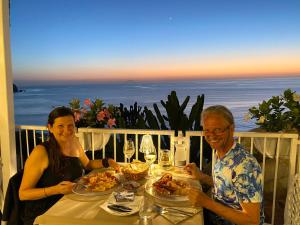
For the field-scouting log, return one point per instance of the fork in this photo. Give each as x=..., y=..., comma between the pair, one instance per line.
x=162, y=210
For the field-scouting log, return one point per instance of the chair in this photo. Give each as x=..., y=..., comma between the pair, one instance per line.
x=12, y=204
x=292, y=205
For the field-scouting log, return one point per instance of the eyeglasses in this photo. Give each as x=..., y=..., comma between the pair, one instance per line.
x=216, y=131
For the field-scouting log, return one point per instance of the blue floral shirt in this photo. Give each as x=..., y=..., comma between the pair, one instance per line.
x=238, y=178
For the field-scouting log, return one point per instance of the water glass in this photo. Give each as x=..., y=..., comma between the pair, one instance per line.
x=146, y=212
x=165, y=159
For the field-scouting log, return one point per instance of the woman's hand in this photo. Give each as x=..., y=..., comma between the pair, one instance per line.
x=114, y=164
x=64, y=187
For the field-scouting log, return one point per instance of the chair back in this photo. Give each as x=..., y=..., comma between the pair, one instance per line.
x=12, y=204
x=292, y=204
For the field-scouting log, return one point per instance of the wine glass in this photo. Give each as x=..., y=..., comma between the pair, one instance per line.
x=129, y=149
x=150, y=157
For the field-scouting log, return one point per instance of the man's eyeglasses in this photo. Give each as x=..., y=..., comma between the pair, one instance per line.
x=216, y=131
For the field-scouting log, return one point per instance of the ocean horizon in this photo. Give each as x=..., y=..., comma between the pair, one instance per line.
x=33, y=105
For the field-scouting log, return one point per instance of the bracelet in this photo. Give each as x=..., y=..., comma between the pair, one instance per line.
x=105, y=163
x=45, y=192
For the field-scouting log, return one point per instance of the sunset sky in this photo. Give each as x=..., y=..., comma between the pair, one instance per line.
x=154, y=39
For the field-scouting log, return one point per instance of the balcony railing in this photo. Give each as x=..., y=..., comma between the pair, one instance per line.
x=278, y=165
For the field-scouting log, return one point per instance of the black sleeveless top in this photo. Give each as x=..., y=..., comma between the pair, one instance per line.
x=72, y=169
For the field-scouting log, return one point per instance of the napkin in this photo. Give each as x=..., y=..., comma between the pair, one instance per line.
x=135, y=205
x=176, y=218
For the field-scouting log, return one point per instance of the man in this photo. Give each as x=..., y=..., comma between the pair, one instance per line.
x=236, y=179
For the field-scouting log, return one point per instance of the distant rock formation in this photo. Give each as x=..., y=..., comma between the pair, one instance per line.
x=16, y=89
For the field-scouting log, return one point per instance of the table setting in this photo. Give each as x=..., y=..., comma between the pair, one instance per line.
x=141, y=193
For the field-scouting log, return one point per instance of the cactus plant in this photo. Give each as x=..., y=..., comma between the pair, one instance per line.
x=176, y=119
x=176, y=116
x=132, y=118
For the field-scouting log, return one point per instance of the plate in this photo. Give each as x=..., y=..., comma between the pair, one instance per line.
x=81, y=187
x=151, y=190
x=131, y=186
x=135, y=205
x=174, y=198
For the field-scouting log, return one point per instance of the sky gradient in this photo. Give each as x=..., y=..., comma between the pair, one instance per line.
x=157, y=39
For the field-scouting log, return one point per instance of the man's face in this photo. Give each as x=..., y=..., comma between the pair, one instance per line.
x=217, y=131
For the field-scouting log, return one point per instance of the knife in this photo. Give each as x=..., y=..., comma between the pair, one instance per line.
x=119, y=208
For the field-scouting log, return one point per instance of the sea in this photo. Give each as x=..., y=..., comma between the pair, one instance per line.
x=33, y=104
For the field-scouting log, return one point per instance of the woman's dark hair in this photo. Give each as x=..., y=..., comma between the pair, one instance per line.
x=55, y=156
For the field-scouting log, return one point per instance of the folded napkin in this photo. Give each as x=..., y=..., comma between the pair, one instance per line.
x=176, y=218
x=134, y=205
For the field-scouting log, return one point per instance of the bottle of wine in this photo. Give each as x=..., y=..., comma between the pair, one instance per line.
x=180, y=155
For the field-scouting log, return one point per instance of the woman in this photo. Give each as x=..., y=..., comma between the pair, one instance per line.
x=53, y=165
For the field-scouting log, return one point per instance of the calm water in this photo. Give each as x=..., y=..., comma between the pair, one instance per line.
x=33, y=105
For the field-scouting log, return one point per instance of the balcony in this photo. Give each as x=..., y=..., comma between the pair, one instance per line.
x=278, y=166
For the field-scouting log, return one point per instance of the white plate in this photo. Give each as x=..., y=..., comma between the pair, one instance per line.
x=135, y=205
x=174, y=198
x=80, y=189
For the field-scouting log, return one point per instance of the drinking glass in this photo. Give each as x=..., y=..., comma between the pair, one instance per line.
x=165, y=159
x=128, y=149
x=150, y=157
x=146, y=212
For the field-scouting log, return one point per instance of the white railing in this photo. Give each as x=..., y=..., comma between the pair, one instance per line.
x=278, y=165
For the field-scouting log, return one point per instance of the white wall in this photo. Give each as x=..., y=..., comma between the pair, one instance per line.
x=7, y=123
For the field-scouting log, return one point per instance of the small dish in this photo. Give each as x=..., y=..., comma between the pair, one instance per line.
x=131, y=185
x=134, y=206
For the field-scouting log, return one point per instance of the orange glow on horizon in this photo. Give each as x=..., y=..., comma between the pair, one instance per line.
x=194, y=68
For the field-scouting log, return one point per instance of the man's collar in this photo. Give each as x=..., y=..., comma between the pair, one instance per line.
x=232, y=147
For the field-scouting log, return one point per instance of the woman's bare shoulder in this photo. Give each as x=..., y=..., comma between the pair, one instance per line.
x=38, y=158
x=39, y=153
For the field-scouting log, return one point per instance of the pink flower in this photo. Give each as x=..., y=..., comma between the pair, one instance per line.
x=111, y=122
x=101, y=115
x=77, y=115
x=107, y=113
x=88, y=102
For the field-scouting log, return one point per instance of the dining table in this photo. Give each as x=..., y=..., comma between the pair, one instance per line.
x=74, y=209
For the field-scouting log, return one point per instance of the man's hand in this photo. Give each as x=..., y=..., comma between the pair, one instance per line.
x=193, y=170
x=197, y=197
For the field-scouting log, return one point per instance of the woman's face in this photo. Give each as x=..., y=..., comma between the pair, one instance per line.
x=63, y=128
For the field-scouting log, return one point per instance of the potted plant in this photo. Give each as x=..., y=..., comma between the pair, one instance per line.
x=278, y=114
x=93, y=114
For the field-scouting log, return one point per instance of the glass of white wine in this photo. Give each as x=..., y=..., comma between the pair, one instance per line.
x=150, y=157
x=129, y=149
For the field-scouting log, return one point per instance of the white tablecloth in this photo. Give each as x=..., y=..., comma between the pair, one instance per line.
x=70, y=210
x=74, y=209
